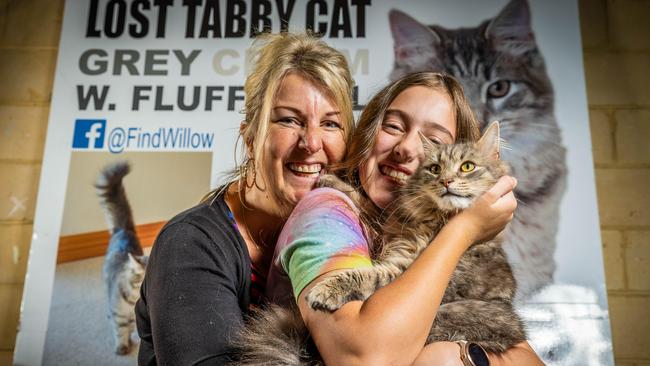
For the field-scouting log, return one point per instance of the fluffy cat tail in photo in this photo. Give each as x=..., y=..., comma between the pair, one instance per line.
x=113, y=200
x=276, y=336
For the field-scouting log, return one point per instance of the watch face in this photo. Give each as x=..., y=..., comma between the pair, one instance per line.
x=478, y=355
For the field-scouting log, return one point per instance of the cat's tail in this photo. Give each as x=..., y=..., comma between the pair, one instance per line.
x=113, y=197
x=276, y=336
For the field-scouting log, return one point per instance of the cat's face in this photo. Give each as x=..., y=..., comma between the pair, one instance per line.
x=500, y=68
x=453, y=176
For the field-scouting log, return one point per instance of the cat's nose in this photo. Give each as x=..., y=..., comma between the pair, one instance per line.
x=446, y=182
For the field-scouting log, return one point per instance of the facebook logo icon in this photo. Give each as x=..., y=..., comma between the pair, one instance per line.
x=89, y=133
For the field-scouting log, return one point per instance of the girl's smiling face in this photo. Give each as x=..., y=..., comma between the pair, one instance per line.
x=398, y=152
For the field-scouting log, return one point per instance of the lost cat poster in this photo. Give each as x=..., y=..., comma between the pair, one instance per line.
x=160, y=84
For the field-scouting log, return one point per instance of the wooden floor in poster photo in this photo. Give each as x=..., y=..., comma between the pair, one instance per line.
x=103, y=245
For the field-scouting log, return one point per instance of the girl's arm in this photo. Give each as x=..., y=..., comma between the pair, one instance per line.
x=391, y=326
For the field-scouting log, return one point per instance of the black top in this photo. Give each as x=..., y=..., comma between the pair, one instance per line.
x=195, y=291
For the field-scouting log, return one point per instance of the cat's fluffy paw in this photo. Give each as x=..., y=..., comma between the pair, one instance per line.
x=322, y=297
x=334, y=292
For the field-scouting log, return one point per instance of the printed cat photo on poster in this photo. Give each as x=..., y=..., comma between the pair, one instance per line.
x=125, y=261
x=504, y=77
x=115, y=205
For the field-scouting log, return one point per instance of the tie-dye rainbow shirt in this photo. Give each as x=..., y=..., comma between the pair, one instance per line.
x=322, y=234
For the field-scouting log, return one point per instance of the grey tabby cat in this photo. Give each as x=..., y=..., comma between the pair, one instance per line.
x=477, y=305
x=125, y=262
x=504, y=78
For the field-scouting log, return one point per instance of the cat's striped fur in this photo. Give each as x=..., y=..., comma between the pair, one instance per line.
x=125, y=262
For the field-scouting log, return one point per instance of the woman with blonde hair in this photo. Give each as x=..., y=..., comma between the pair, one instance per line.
x=208, y=264
x=325, y=234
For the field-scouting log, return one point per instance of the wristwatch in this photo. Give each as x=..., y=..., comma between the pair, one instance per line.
x=472, y=354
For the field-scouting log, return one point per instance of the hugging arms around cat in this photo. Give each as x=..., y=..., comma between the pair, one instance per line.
x=391, y=326
x=477, y=303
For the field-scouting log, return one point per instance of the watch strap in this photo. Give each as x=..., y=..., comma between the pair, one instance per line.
x=466, y=356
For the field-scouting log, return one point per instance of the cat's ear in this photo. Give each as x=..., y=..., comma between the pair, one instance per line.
x=137, y=261
x=427, y=144
x=413, y=40
x=132, y=261
x=490, y=143
x=511, y=30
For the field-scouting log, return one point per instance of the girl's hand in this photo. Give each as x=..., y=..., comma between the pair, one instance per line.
x=491, y=212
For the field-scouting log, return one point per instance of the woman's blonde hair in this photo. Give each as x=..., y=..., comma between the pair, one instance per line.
x=274, y=57
x=372, y=117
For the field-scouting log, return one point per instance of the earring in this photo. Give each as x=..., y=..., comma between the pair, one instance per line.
x=250, y=164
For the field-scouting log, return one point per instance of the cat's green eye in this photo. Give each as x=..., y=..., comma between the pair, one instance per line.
x=435, y=169
x=467, y=167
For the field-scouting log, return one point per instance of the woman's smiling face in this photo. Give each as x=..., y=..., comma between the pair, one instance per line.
x=305, y=136
x=398, y=152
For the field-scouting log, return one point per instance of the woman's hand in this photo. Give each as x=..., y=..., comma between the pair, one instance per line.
x=491, y=212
